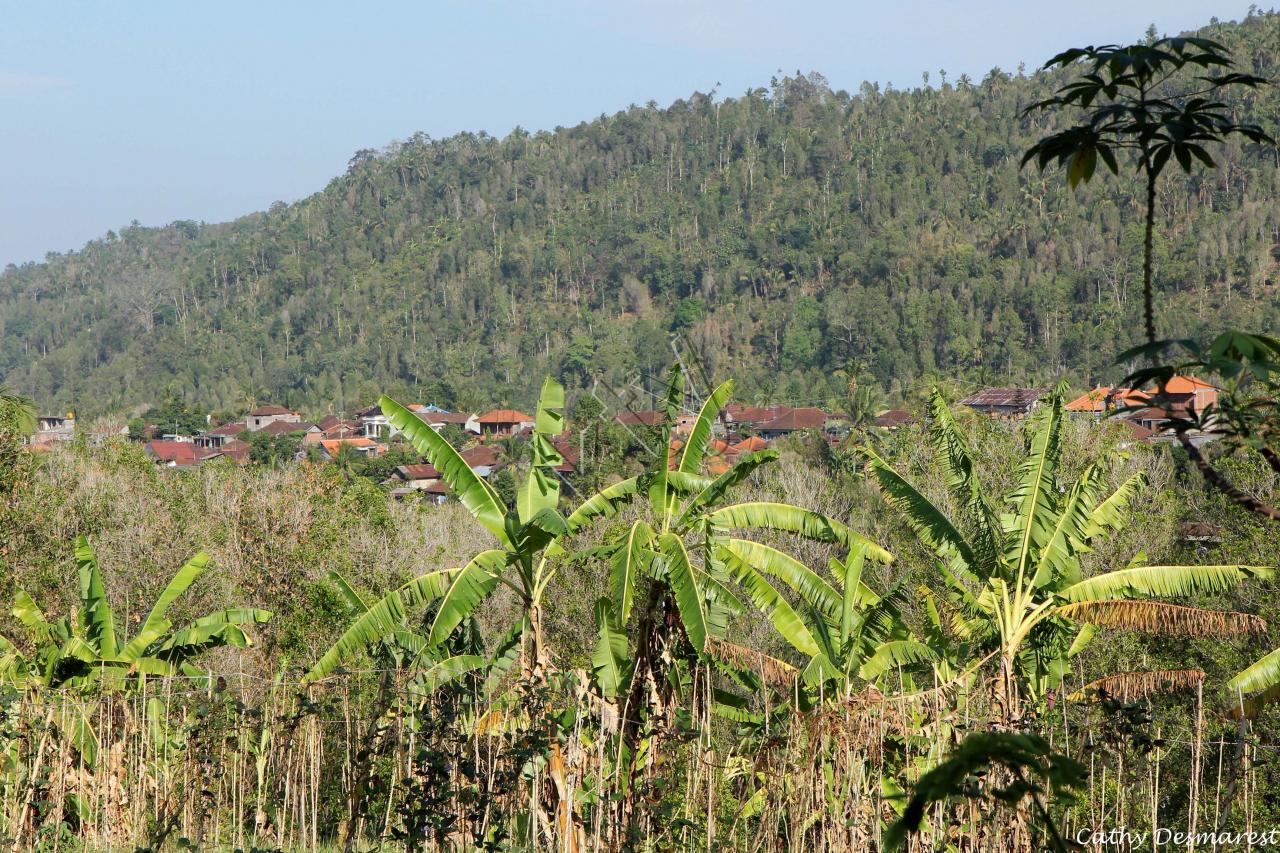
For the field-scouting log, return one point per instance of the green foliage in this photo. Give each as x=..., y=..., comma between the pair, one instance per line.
x=89, y=650
x=1015, y=578
x=177, y=417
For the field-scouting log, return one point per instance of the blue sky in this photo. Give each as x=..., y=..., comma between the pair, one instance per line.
x=115, y=111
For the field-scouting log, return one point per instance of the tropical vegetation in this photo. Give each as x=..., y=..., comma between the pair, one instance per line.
x=882, y=640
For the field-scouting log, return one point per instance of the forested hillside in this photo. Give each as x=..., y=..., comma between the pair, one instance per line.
x=790, y=236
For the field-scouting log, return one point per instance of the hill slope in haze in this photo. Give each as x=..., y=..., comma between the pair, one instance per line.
x=790, y=237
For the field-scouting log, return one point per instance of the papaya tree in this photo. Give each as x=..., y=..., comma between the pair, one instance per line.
x=1013, y=581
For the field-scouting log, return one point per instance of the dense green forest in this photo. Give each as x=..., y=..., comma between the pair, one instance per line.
x=791, y=236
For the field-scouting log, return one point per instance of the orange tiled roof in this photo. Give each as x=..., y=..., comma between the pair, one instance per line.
x=505, y=416
x=750, y=445
x=1091, y=401
x=1187, y=385
x=334, y=444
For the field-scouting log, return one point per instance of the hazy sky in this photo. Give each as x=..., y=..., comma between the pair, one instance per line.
x=115, y=111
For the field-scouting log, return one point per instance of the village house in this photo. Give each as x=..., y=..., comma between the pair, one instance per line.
x=330, y=448
x=373, y=423
x=219, y=436
x=893, y=419
x=173, y=454
x=438, y=419
x=235, y=450
x=794, y=420
x=311, y=433
x=51, y=428
x=569, y=452
x=334, y=427
x=266, y=415
x=1004, y=402
x=416, y=477
x=483, y=459
x=1183, y=396
x=504, y=422
x=753, y=416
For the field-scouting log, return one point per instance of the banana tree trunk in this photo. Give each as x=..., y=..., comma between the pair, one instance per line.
x=1007, y=695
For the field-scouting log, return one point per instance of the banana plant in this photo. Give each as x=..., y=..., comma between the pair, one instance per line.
x=1012, y=582
x=1255, y=686
x=87, y=650
x=681, y=574
x=520, y=560
x=867, y=641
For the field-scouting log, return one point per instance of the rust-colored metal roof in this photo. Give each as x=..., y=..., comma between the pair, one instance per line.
x=796, y=420
x=1004, y=398
x=640, y=418
x=422, y=471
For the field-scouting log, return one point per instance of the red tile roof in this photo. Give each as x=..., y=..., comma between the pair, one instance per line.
x=333, y=445
x=229, y=429
x=485, y=455
x=755, y=414
x=235, y=450
x=1140, y=433
x=894, y=418
x=1187, y=385
x=264, y=411
x=178, y=452
x=567, y=449
x=750, y=445
x=1097, y=399
x=285, y=427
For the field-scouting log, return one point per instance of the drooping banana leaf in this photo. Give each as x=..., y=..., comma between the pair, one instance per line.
x=777, y=609
x=381, y=621
x=1162, y=581
x=628, y=564
x=467, y=588
x=474, y=493
x=684, y=587
x=611, y=661
x=802, y=580
x=895, y=653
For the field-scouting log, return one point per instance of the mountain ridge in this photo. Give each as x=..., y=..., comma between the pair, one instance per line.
x=794, y=237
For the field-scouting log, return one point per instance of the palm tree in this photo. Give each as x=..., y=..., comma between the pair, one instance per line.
x=1013, y=582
